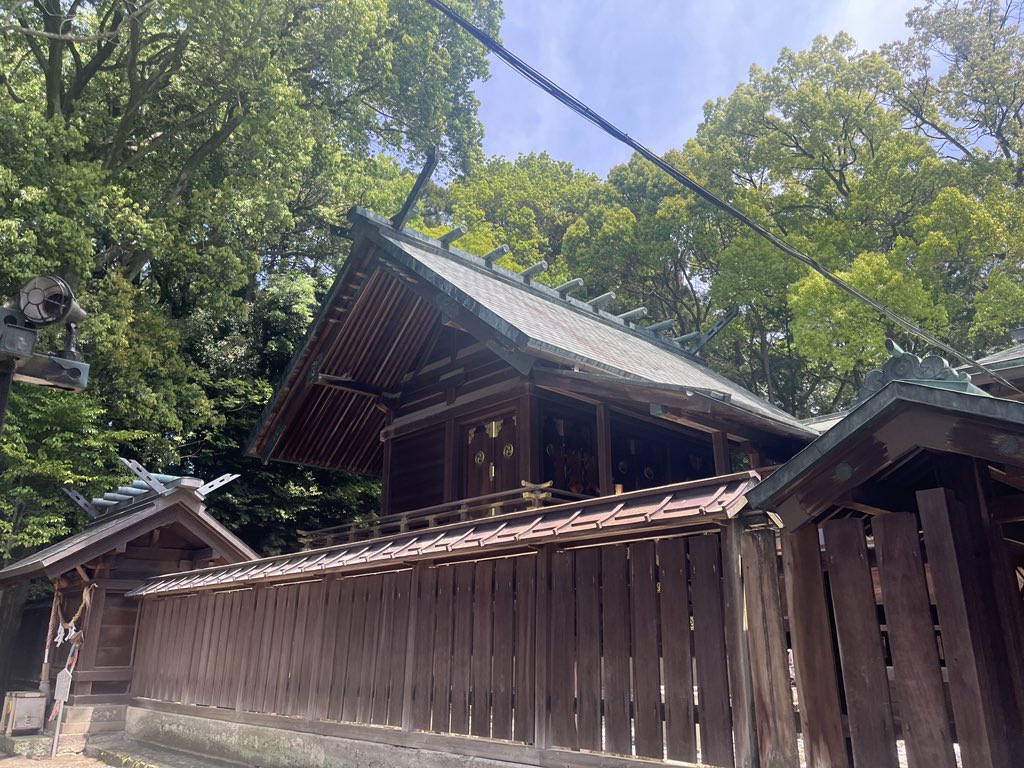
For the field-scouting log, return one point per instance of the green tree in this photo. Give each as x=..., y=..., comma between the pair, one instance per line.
x=180, y=163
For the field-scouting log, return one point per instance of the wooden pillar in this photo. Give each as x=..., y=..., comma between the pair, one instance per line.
x=604, y=451
x=720, y=448
x=530, y=440
x=773, y=700
x=452, y=457
x=736, y=643
x=821, y=717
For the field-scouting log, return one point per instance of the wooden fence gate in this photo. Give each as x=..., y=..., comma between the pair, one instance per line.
x=906, y=635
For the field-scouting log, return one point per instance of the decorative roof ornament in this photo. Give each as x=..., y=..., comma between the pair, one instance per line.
x=933, y=371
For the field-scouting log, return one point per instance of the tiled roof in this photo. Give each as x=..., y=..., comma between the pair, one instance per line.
x=1015, y=352
x=639, y=512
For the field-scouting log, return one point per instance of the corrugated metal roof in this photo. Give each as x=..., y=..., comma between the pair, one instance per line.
x=645, y=511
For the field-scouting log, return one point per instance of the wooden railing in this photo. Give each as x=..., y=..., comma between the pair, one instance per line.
x=529, y=496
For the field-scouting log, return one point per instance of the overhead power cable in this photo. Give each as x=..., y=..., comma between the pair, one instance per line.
x=587, y=113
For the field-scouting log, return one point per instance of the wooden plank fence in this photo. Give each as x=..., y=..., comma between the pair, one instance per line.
x=621, y=649
x=624, y=628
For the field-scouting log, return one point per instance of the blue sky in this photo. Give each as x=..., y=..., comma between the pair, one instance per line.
x=649, y=65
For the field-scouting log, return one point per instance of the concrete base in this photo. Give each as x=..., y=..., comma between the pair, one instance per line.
x=277, y=748
x=26, y=746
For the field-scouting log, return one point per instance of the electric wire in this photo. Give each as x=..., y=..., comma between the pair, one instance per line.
x=590, y=115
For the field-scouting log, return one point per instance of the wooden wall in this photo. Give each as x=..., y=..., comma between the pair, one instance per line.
x=593, y=649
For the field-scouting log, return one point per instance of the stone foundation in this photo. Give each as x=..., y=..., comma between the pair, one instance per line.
x=268, y=747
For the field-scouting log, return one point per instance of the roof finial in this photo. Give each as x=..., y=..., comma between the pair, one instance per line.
x=536, y=269
x=664, y=325
x=496, y=254
x=410, y=202
x=633, y=314
x=573, y=285
x=599, y=301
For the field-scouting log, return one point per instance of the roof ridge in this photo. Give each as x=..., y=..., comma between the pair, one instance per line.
x=516, y=279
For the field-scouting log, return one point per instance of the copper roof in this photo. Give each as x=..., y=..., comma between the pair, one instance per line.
x=641, y=512
x=395, y=291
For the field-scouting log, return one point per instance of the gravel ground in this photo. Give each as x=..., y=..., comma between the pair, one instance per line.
x=61, y=761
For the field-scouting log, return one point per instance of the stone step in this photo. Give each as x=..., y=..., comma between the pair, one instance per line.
x=96, y=726
x=135, y=754
x=96, y=713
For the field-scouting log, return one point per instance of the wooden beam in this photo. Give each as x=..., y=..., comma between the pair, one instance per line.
x=348, y=385
x=1007, y=509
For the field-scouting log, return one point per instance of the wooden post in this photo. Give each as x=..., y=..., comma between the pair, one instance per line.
x=604, y=451
x=773, y=700
x=736, y=642
x=720, y=447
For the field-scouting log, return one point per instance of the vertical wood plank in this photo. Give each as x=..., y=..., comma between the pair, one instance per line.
x=462, y=643
x=542, y=650
x=525, y=650
x=286, y=636
x=192, y=637
x=504, y=647
x=915, y=655
x=709, y=649
x=773, y=698
x=810, y=630
x=615, y=629
x=263, y=669
x=441, y=703
x=970, y=691
x=384, y=662
x=356, y=653
x=563, y=647
x=588, y=648
x=480, y=682
x=312, y=668
x=646, y=663
x=741, y=686
x=323, y=667
x=680, y=734
x=413, y=645
x=371, y=646
x=425, y=611
x=298, y=642
x=860, y=646
x=235, y=654
x=399, y=647
x=343, y=636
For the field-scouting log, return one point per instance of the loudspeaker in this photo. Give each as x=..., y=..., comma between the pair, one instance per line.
x=48, y=299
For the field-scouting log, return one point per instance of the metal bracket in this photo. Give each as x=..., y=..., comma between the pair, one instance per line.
x=143, y=474
x=83, y=502
x=204, y=490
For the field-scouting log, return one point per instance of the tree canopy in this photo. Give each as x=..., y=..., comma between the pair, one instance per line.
x=181, y=163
